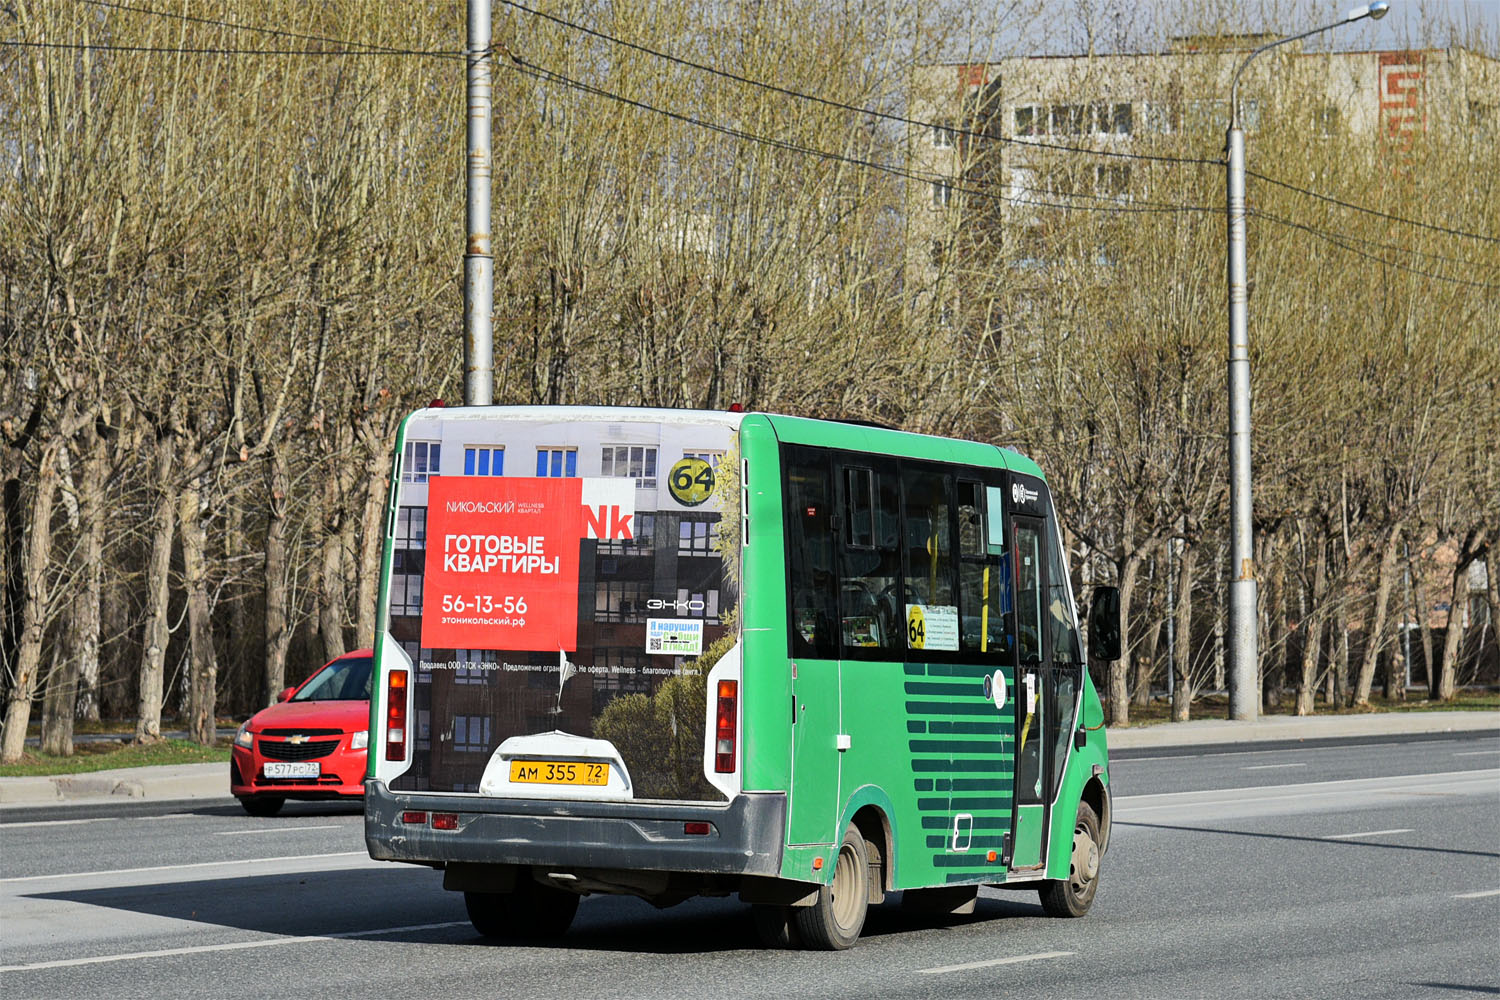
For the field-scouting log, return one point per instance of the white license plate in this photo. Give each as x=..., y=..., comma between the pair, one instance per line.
x=300, y=769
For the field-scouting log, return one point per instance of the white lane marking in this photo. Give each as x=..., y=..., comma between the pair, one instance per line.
x=1269, y=767
x=993, y=961
x=274, y=829
x=275, y=942
x=58, y=822
x=1460, y=782
x=1371, y=833
x=1476, y=753
x=196, y=864
x=1478, y=895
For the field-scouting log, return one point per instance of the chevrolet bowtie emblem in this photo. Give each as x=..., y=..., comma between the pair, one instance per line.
x=297, y=739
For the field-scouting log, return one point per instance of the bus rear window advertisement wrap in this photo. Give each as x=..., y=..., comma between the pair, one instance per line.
x=554, y=606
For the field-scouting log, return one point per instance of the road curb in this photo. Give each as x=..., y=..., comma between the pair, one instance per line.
x=169, y=781
x=1285, y=728
x=211, y=781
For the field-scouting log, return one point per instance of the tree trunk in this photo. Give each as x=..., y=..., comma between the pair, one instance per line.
x=278, y=627
x=1420, y=609
x=203, y=670
x=1119, y=670
x=36, y=556
x=1182, y=690
x=154, y=651
x=372, y=537
x=331, y=604
x=1312, y=633
x=1273, y=662
x=87, y=604
x=59, y=698
x=1145, y=665
x=1375, y=636
x=1471, y=549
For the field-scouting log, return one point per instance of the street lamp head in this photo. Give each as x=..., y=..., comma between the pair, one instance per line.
x=1374, y=11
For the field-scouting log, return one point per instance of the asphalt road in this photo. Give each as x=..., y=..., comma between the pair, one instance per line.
x=1369, y=870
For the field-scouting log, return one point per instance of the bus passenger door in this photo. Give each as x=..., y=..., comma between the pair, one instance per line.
x=1032, y=698
x=813, y=646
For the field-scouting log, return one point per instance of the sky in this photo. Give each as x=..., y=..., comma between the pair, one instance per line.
x=1043, y=27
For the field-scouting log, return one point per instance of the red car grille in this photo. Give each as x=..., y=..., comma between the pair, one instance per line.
x=297, y=751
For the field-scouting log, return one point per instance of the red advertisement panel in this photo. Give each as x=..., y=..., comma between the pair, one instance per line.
x=502, y=563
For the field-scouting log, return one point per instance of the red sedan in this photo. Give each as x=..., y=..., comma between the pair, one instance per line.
x=311, y=744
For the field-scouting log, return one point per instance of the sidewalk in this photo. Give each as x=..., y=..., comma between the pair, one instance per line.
x=211, y=781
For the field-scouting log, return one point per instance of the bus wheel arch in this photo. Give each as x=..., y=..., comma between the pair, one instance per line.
x=874, y=824
x=1096, y=795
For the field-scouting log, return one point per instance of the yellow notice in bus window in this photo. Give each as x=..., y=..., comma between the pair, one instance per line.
x=916, y=627
x=931, y=626
x=691, y=481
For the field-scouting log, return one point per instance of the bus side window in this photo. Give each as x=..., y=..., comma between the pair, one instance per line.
x=869, y=611
x=1063, y=633
x=983, y=586
x=927, y=498
x=809, y=553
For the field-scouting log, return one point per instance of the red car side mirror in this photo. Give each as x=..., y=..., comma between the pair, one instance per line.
x=284, y=695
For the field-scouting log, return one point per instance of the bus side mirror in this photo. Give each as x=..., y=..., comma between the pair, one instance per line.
x=1104, y=624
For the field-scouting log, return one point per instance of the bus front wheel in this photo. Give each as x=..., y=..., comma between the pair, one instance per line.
x=1072, y=896
x=532, y=912
x=833, y=923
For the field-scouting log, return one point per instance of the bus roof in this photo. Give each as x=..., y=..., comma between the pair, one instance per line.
x=796, y=430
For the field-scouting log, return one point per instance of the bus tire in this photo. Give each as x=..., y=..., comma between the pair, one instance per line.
x=532, y=912
x=833, y=923
x=1072, y=896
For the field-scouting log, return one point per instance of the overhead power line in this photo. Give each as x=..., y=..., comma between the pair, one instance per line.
x=552, y=76
x=1338, y=240
x=353, y=48
x=871, y=112
x=1373, y=211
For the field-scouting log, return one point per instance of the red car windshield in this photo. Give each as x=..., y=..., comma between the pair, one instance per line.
x=346, y=679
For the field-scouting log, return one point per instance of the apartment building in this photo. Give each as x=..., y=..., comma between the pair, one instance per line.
x=1009, y=144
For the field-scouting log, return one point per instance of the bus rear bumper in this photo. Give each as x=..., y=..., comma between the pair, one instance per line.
x=744, y=835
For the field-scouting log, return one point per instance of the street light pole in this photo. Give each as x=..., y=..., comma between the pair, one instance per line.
x=479, y=260
x=1244, y=656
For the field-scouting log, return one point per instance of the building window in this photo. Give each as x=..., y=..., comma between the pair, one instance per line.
x=1031, y=119
x=1158, y=118
x=942, y=193
x=711, y=457
x=695, y=538
x=408, y=559
x=1112, y=180
x=557, y=462
x=639, y=544
x=1326, y=121
x=419, y=461
x=943, y=135
x=1069, y=119
x=484, y=461
x=621, y=600
x=631, y=461
x=471, y=733
x=472, y=661
x=1116, y=119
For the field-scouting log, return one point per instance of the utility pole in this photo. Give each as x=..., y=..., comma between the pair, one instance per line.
x=1244, y=640
x=479, y=260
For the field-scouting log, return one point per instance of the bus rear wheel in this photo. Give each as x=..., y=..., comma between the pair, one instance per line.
x=833, y=923
x=1072, y=896
x=532, y=912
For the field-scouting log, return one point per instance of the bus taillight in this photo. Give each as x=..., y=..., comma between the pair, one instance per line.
x=395, y=716
x=724, y=737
